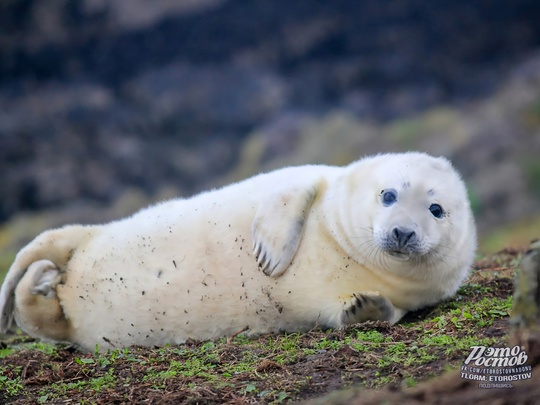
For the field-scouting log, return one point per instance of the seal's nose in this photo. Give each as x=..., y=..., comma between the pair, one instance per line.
x=403, y=236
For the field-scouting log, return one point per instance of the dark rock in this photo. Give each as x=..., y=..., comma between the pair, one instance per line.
x=98, y=97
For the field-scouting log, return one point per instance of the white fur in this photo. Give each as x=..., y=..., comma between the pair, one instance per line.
x=282, y=251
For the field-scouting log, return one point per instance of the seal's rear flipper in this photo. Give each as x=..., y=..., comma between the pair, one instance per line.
x=52, y=251
x=46, y=276
x=38, y=310
x=278, y=227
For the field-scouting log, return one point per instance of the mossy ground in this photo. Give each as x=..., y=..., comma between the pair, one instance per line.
x=272, y=368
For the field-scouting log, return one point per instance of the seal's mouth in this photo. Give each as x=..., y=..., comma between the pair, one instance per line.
x=399, y=255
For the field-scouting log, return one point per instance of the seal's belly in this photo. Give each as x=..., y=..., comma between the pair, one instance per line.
x=163, y=296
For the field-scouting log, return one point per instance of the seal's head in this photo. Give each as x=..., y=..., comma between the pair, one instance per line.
x=414, y=214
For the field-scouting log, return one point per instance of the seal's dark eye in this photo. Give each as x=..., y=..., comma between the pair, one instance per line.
x=436, y=210
x=388, y=197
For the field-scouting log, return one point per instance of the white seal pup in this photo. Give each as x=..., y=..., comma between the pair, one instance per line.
x=287, y=250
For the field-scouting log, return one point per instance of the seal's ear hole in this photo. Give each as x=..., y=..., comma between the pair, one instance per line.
x=388, y=197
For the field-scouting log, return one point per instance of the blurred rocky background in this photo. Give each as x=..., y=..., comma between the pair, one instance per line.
x=108, y=105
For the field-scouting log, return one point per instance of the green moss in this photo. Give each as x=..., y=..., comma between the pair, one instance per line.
x=5, y=352
x=96, y=384
x=326, y=344
x=10, y=386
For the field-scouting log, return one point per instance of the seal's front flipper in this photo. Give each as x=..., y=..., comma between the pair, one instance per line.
x=278, y=227
x=370, y=306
